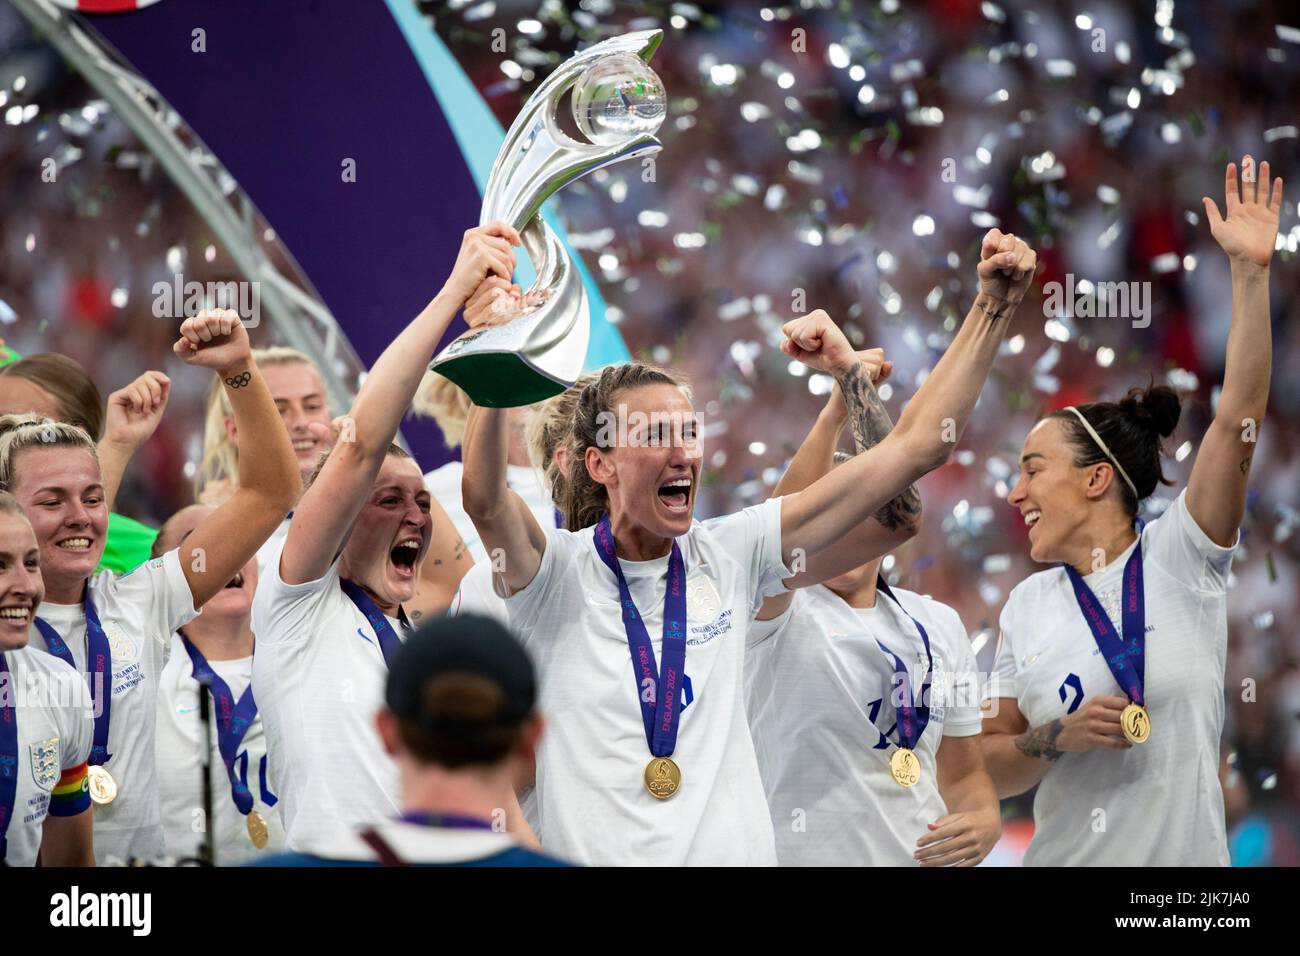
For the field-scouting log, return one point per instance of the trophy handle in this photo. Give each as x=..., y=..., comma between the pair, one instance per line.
x=541, y=353
x=487, y=362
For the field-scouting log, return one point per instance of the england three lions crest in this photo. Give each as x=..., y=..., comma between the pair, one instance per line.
x=45, y=762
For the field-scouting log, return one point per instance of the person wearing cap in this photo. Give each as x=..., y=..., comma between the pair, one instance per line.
x=460, y=722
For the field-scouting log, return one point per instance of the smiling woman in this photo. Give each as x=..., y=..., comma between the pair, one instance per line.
x=299, y=393
x=117, y=629
x=55, y=386
x=1116, y=711
x=44, y=734
x=296, y=386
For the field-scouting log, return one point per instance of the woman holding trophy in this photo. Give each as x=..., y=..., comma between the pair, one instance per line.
x=329, y=610
x=638, y=624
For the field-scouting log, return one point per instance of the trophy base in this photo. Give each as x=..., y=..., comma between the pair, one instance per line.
x=499, y=379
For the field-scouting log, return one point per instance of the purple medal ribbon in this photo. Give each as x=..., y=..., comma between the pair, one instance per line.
x=660, y=713
x=1126, y=656
x=99, y=672
x=389, y=642
x=8, y=754
x=912, y=718
x=233, y=720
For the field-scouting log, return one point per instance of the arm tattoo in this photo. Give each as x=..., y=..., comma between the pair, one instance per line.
x=460, y=549
x=871, y=423
x=240, y=380
x=1041, y=741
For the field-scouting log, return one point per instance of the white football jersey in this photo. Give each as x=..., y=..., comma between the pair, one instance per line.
x=593, y=803
x=476, y=595
x=53, y=711
x=180, y=753
x=272, y=545
x=822, y=703
x=1159, y=803
x=139, y=611
x=527, y=482
x=319, y=676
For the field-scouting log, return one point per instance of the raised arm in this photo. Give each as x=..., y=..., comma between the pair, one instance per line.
x=324, y=516
x=894, y=523
x=815, y=458
x=1216, y=491
x=515, y=542
x=268, y=481
x=131, y=416
x=928, y=430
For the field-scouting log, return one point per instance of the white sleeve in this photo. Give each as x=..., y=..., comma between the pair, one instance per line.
x=762, y=631
x=1178, y=545
x=477, y=596
x=1002, y=682
x=284, y=613
x=962, y=703
x=159, y=586
x=753, y=537
x=530, y=604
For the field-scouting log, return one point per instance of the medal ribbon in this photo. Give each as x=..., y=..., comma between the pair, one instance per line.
x=233, y=720
x=912, y=717
x=8, y=754
x=99, y=671
x=389, y=642
x=1126, y=656
x=659, y=714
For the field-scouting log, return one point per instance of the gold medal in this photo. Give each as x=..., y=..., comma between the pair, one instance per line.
x=257, y=831
x=904, y=767
x=1136, y=724
x=103, y=788
x=662, y=777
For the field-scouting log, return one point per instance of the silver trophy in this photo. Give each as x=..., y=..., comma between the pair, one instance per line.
x=618, y=103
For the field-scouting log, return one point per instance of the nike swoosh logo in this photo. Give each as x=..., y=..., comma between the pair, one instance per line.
x=363, y=636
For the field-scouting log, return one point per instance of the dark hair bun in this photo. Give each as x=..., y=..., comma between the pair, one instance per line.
x=1155, y=408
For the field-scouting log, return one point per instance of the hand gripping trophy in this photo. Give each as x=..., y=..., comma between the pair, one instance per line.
x=618, y=103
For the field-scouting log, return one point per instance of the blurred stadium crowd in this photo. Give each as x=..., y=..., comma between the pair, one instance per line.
x=835, y=155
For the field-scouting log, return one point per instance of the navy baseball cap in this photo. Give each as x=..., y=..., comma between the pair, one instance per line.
x=469, y=646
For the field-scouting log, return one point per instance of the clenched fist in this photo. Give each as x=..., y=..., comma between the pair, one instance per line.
x=816, y=341
x=485, y=250
x=1006, y=268
x=215, y=339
